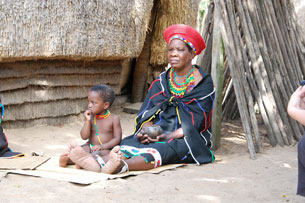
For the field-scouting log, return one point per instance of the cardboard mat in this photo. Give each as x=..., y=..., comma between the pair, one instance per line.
x=2, y=175
x=26, y=162
x=50, y=169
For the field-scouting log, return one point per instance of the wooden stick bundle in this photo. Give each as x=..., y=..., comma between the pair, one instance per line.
x=266, y=59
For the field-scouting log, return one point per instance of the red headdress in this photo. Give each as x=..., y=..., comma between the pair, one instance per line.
x=187, y=34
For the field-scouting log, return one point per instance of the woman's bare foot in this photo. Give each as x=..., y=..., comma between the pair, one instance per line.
x=63, y=160
x=114, y=164
x=84, y=160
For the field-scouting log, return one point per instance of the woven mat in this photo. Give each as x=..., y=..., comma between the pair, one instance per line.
x=50, y=169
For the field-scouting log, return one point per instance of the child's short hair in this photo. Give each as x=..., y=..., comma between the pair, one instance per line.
x=105, y=91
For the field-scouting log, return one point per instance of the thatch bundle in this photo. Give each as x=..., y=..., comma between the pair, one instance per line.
x=170, y=12
x=85, y=30
x=53, y=92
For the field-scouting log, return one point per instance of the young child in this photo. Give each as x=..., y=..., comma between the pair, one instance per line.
x=101, y=128
x=296, y=109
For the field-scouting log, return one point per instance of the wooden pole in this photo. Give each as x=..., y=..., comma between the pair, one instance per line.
x=227, y=35
x=217, y=75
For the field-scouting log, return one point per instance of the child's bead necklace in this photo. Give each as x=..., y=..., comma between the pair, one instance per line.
x=100, y=117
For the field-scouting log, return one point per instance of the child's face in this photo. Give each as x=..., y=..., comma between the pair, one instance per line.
x=96, y=103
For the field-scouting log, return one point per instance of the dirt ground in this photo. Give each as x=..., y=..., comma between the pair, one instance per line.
x=234, y=177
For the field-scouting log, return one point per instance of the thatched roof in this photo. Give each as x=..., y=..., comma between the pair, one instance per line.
x=62, y=29
x=171, y=12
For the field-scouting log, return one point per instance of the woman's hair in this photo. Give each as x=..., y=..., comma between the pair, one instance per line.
x=105, y=91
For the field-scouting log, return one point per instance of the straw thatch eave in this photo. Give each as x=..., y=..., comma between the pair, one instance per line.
x=74, y=30
x=171, y=12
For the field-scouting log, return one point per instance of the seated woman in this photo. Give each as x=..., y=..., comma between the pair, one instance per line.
x=180, y=101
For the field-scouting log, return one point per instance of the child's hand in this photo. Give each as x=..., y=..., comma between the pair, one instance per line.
x=96, y=148
x=87, y=115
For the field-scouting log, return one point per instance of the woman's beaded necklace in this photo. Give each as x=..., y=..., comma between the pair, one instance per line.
x=179, y=89
x=100, y=117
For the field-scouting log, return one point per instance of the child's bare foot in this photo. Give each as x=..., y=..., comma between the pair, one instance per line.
x=64, y=160
x=78, y=167
x=84, y=160
x=114, y=164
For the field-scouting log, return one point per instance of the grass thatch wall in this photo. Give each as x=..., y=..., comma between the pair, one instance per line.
x=171, y=12
x=64, y=29
x=52, y=92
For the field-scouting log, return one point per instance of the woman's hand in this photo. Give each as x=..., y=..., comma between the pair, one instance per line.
x=164, y=137
x=174, y=135
x=145, y=139
x=169, y=136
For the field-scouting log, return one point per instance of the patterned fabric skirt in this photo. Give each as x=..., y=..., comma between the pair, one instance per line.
x=158, y=153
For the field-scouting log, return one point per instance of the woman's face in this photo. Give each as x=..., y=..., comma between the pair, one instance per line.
x=96, y=103
x=179, y=55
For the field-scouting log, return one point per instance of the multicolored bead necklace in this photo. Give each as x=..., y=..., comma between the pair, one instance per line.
x=100, y=117
x=179, y=89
